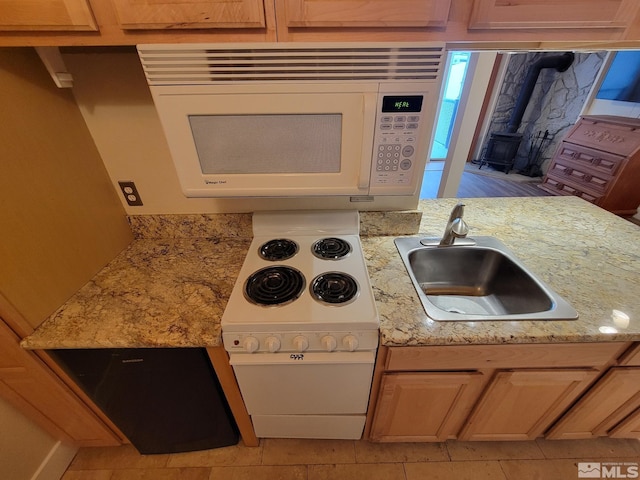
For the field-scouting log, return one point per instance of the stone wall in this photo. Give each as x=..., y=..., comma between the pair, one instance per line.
x=555, y=103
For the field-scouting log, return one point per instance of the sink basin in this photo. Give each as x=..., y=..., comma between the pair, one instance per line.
x=479, y=279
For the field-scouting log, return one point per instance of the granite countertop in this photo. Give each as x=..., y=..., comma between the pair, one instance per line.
x=156, y=293
x=586, y=254
x=170, y=286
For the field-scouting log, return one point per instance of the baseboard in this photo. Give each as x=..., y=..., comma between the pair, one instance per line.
x=56, y=462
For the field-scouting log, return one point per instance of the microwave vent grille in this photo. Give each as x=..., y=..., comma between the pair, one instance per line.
x=203, y=64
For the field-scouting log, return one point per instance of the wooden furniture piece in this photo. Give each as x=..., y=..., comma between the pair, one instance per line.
x=480, y=392
x=599, y=161
x=613, y=400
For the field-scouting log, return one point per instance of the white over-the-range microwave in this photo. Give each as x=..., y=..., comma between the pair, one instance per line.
x=277, y=120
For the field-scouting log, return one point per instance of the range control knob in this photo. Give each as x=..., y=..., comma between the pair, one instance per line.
x=251, y=344
x=350, y=342
x=329, y=343
x=273, y=344
x=300, y=343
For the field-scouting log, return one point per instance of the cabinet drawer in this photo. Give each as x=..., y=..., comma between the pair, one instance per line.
x=471, y=357
x=617, y=139
x=578, y=176
x=592, y=159
x=558, y=186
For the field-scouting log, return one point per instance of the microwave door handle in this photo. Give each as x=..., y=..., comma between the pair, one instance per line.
x=368, y=112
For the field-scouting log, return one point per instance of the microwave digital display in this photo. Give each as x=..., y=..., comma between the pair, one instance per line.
x=401, y=104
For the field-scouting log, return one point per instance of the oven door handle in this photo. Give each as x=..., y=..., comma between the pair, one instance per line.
x=294, y=358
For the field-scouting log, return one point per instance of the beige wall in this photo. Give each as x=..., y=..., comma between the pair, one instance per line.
x=60, y=219
x=112, y=93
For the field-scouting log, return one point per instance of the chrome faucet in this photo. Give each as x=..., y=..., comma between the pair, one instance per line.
x=456, y=226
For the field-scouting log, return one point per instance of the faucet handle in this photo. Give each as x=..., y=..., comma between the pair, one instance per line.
x=459, y=227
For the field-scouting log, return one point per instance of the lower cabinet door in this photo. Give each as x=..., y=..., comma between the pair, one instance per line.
x=614, y=397
x=425, y=406
x=28, y=384
x=522, y=404
x=629, y=428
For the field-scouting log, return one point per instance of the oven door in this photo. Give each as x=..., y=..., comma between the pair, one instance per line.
x=310, y=395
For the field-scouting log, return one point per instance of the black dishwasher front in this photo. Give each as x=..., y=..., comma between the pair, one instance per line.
x=165, y=400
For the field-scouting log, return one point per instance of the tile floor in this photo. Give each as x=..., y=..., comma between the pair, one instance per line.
x=284, y=459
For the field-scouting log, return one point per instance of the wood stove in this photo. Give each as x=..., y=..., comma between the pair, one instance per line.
x=501, y=151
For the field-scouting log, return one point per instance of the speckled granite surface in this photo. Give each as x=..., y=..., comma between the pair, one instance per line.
x=171, y=290
x=587, y=255
x=230, y=225
x=156, y=293
x=238, y=225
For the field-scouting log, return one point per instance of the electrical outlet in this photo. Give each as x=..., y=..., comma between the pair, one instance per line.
x=130, y=193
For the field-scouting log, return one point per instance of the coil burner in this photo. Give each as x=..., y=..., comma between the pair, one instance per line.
x=334, y=288
x=274, y=286
x=278, y=249
x=331, y=248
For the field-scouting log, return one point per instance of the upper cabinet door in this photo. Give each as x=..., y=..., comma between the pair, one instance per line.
x=371, y=13
x=55, y=15
x=507, y=14
x=170, y=14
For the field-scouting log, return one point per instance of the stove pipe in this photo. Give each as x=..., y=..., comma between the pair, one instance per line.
x=560, y=62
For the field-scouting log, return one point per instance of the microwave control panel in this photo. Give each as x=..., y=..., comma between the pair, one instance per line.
x=397, y=132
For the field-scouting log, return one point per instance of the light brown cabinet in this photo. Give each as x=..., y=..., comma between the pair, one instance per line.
x=475, y=24
x=27, y=383
x=522, y=404
x=548, y=14
x=425, y=406
x=628, y=428
x=480, y=392
x=613, y=400
x=360, y=13
x=177, y=14
x=61, y=15
x=599, y=161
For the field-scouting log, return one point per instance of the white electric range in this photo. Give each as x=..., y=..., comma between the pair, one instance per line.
x=301, y=326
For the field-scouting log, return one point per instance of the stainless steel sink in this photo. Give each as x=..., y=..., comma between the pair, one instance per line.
x=478, y=280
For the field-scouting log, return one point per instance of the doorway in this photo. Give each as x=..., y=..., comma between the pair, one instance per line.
x=458, y=63
x=448, y=110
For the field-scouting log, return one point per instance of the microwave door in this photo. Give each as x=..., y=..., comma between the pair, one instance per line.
x=280, y=144
x=276, y=144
